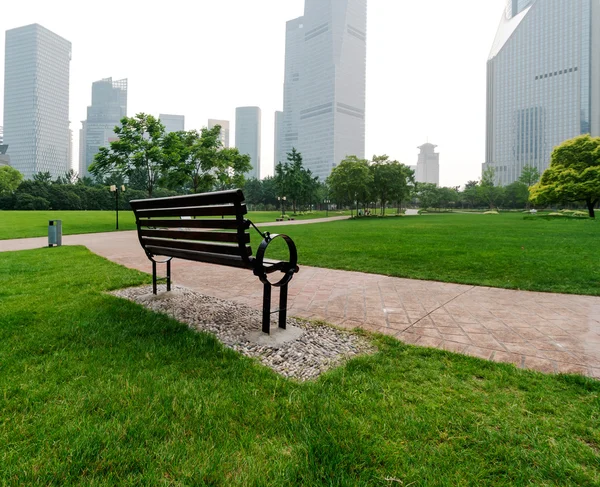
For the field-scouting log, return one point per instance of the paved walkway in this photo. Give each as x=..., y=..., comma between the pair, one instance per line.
x=541, y=331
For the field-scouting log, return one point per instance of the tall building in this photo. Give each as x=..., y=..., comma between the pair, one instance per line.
x=1, y=134
x=109, y=106
x=543, y=82
x=173, y=123
x=247, y=136
x=324, y=86
x=428, y=165
x=224, y=130
x=278, y=136
x=36, y=100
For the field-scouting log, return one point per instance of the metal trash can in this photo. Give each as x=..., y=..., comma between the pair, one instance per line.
x=54, y=233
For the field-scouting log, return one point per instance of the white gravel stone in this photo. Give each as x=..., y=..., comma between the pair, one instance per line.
x=319, y=348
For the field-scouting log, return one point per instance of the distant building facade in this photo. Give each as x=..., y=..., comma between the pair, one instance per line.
x=278, y=136
x=224, y=130
x=248, y=137
x=36, y=100
x=172, y=123
x=109, y=106
x=428, y=165
x=4, y=157
x=543, y=82
x=324, y=84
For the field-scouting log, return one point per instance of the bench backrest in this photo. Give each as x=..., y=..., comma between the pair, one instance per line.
x=217, y=231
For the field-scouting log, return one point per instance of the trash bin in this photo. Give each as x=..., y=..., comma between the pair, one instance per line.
x=54, y=233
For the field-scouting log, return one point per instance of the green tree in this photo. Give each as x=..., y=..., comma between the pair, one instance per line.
x=43, y=177
x=573, y=175
x=138, y=151
x=10, y=179
x=487, y=190
x=529, y=176
x=193, y=157
x=516, y=195
x=350, y=181
x=391, y=181
x=470, y=195
x=229, y=169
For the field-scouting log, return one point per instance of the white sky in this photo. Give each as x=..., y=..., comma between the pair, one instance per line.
x=426, y=66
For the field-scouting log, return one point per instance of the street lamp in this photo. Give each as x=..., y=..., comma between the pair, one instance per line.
x=326, y=208
x=115, y=189
x=281, y=199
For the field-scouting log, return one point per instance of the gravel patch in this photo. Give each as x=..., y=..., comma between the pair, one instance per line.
x=309, y=349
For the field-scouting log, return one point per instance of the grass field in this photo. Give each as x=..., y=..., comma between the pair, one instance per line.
x=22, y=224
x=99, y=391
x=504, y=250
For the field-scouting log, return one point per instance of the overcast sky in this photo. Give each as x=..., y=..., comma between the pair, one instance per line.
x=426, y=66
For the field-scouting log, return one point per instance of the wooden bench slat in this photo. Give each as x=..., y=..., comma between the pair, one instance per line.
x=229, y=223
x=228, y=260
x=227, y=210
x=230, y=237
x=216, y=198
x=197, y=246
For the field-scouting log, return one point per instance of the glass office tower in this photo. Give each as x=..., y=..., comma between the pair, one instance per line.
x=36, y=100
x=542, y=83
x=109, y=106
x=325, y=78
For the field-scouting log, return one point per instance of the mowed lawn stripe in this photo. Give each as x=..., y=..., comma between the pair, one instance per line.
x=503, y=250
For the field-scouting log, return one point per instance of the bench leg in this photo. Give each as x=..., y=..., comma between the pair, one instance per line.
x=283, y=293
x=168, y=275
x=154, y=278
x=266, y=317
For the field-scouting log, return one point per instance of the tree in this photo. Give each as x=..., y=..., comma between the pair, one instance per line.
x=516, y=195
x=350, y=180
x=573, y=175
x=138, y=151
x=529, y=176
x=487, y=190
x=43, y=177
x=192, y=158
x=471, y=194
x=10, y=179
x=390, y=180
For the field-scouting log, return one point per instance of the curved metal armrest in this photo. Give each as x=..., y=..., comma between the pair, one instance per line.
x=288, y=268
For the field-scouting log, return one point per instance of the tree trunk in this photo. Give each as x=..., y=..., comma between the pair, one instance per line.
x=590, y=205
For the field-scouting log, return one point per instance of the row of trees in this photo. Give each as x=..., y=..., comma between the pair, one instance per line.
x=186, y=162
x=67, y=192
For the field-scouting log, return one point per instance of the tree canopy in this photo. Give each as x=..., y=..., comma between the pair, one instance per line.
x=138, y=152
x=573, y=175
x=10, y=179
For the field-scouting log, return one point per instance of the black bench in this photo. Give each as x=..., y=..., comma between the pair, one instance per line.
x=211, y=227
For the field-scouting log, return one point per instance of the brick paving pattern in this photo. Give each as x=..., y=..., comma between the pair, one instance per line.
x=554, y=333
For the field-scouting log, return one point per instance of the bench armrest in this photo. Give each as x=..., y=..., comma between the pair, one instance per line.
x=289, y=268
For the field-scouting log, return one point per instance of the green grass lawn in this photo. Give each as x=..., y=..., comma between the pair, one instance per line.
x=504, y=250
x=95, y=390
x=22, y=224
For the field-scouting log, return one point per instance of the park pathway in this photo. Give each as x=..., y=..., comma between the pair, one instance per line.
x=541, y=331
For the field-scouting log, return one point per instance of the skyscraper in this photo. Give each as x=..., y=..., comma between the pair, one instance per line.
x=36, y=100
x=109, y=106
x=324, y=87
x=247, y=136
x=428, y=165
x=224, y=130
x=278, y=136
x=172, y=123
x=543, y=82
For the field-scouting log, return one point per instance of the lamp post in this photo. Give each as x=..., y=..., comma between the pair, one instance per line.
x=326, y=208
x=115, y=189
x=281, y=199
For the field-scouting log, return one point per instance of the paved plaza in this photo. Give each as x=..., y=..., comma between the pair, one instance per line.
x=541, y=331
